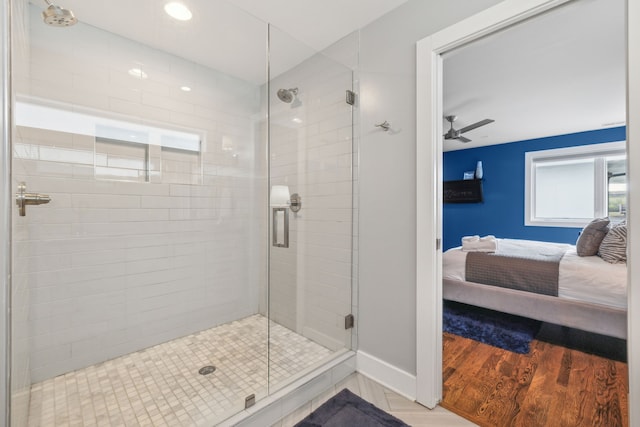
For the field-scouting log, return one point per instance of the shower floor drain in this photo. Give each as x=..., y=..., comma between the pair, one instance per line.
x=206, y=370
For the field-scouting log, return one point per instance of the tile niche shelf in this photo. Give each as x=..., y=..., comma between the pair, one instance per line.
x=463, y=191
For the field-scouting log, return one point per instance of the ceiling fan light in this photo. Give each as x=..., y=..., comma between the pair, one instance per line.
x=457, y=133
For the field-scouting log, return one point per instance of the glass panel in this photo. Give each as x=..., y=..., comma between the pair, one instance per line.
x=565, y=189
x=311, y=156
x=617, y=188
x=146, y=264
x=21, y=292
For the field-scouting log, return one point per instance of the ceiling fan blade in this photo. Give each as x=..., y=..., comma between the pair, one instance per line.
x=463, y=139
x=476, y=125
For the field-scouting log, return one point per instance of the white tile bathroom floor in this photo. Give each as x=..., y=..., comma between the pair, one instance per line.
x=161, y=386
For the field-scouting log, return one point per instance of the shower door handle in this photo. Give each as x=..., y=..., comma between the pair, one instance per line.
x=23, y=199
x=280, y=227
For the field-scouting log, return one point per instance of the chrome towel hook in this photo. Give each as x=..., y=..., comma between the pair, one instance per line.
x=384, y=125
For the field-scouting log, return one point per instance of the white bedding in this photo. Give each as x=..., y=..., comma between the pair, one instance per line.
x=589, y=279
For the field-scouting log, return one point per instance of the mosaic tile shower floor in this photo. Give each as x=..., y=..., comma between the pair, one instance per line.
x=160, y=386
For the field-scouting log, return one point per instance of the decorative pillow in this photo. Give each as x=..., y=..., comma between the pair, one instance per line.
x=591, y=236
x=613, y=248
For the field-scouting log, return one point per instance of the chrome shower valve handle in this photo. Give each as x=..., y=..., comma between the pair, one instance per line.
x=23, y=199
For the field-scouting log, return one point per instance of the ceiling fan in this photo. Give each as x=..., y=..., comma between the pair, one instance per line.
x=457, y=134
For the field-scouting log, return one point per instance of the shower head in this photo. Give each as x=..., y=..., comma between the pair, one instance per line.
x=57, y=16
x=287, y=95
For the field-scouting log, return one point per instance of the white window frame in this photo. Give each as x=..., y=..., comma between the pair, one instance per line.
x=599, y=151
x=42, y=114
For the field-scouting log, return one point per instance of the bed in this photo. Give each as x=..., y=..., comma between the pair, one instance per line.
x=590, y=294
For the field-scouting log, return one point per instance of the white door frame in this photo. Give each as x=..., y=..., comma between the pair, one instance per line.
x=429, y=133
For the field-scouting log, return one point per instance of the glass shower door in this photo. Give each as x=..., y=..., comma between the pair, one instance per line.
x=311, y=207
x=136, y=285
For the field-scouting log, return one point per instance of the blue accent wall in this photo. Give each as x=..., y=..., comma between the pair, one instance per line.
x=502, y=212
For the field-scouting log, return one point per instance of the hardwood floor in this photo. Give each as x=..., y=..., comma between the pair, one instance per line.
x=385, y=399
x=551, y=386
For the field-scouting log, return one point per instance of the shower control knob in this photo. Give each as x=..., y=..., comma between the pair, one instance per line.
x=23, y=199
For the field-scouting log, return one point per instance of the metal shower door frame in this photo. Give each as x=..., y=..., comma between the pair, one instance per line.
x=5, y=215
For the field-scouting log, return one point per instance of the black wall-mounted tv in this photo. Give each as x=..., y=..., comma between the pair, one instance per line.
x=463, y=191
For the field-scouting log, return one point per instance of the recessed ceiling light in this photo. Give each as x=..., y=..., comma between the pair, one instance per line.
x=178, y=11
x=296, y=120
x=138, y=73
x=185, y=88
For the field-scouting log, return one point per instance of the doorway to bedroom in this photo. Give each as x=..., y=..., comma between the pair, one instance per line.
x=530, y=154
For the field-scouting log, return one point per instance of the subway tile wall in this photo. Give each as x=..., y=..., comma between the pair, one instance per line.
x=114, y=265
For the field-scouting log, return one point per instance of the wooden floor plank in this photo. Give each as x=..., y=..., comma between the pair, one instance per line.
x=551, y=386
x=463, y=391
x=623, y=392
x=559, y=395
x=538, y=401
x=577, y=407
x=607, y=399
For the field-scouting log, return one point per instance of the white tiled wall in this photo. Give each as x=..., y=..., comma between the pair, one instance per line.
x=114, y=266
x=311, y=152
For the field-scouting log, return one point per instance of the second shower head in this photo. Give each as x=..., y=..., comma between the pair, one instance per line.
x=287, y=95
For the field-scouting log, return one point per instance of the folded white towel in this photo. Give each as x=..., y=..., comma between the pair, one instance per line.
x=479, y=244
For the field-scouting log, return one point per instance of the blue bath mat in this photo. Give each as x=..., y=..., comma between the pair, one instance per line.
x=506, y=331
x=345, y=409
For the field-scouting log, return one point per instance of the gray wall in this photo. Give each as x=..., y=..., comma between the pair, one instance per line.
x=387, y=317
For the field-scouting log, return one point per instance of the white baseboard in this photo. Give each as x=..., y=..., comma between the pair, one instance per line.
x=386, y=374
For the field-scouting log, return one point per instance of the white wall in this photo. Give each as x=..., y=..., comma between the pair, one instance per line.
x=633, y=134
x=114, y=266
x=387, y=175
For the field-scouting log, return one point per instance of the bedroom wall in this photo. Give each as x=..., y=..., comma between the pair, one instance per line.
x=502, y=212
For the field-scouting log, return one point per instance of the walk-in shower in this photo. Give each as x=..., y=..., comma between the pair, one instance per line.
x=148, y=291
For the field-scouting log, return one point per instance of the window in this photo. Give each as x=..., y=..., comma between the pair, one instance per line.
x=568, y=187
x=125, y=149
x=121, y=160
x=617, y=188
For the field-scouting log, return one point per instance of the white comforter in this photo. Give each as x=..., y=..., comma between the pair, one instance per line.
x=589, y=279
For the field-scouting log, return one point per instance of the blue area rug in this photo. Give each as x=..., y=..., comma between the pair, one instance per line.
x=345, y=409
x=512, y=333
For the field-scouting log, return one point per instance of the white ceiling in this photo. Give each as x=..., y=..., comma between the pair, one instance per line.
x=559, y=73
x=230, y=35
x=318, y=23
